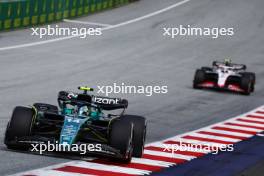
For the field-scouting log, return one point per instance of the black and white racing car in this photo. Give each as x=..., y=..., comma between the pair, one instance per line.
x=226, y=76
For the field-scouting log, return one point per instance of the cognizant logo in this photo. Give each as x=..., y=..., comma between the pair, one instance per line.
x=102, y=100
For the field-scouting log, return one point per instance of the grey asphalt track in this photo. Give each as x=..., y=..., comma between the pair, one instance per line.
x=137, y=54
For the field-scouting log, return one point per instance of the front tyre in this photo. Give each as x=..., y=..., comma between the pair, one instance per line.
x=20, y=125
x=246, y=84
x=139, y=136
x=252, y=78
x=121, y=138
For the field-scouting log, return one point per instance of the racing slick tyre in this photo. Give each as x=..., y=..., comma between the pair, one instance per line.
x=253, y=79
x=121, y=138
x=246, y=84
x=139, y=135
x=46, y=108
x=19, y=126
x=198, y=78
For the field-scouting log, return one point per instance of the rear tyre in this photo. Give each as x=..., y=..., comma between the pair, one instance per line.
x=206, y=69
x=121, y=138
x=20, y=125
x=199, y=78
x=139, y=135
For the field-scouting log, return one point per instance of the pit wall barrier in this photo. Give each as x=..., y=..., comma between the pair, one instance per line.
x=24, y=13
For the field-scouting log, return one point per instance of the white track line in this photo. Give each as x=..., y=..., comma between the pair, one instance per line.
x=36, y=43
x=262, y=135
x=88, y=23
x=148, y=15
x=107, y=28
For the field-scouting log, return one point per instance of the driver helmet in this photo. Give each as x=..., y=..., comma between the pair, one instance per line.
x=227, y=62
x=83, y=111
x=89, y=111
x=94, y=113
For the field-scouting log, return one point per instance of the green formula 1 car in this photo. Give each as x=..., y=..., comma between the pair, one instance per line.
x=79, y=118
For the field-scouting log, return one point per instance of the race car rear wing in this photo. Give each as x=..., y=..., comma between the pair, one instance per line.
x=105, y=103
x=233, y=65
